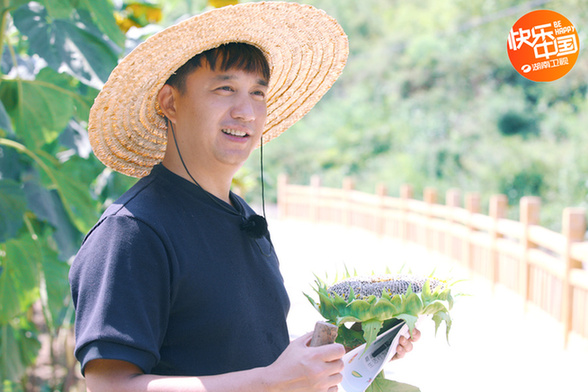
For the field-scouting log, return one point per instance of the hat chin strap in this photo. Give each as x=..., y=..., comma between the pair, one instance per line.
x=255, y=226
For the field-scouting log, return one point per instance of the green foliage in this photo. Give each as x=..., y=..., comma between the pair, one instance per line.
x=429, y=97
x=56, y=55
x=514, y=123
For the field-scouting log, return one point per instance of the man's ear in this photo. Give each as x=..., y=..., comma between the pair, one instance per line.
x=167, y=102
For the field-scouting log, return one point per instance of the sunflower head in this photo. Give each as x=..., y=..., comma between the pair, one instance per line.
x=375, y=303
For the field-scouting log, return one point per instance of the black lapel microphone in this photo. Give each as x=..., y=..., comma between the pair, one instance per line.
x=255, y=226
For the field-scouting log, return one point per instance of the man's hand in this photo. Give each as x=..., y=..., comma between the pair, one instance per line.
x=304, y=368
x=405, y=345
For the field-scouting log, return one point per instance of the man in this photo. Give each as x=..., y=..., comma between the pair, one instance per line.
x=177, y=287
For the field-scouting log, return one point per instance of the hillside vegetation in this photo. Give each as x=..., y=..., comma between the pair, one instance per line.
x=429, y=97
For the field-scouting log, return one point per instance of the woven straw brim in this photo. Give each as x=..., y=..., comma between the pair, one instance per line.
x=306, y=50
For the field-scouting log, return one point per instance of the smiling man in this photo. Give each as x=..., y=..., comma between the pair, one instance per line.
x=229, y=99
x=177, y=287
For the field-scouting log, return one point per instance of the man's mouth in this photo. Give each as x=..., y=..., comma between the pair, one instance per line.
x=234, y=132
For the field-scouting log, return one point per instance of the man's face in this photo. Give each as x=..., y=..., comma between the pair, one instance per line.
x=220, y=117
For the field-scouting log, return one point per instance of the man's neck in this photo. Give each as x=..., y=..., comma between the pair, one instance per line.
x=216, y=182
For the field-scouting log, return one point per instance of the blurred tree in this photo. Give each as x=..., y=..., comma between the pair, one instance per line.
x=55, y=57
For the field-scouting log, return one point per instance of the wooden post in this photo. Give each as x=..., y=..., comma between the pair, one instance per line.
x=406, y=194
x=380, y=210
x=315, y=200
x=573, y=229
x=498, y=205
x=529, y=215
x=282, y=196
x=348, y=207
x=472, y=205
x=452, y=201
x=430, y=197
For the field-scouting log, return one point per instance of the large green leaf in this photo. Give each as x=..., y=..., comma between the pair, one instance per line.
x=103, y=15
x=54, y=288
x=81, y=208
x=84, y=101
x=12, y=208
x=19, y=278
x=41, y=108
x=53, y=282
x=11, y=163
x=73, y=45
x=18, y=349
x=58, y=9
x=48, y=207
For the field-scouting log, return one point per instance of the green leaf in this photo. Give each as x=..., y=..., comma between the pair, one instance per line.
x=349, y=338
x=410, y=320
x=311, y=300
x=103, y=16
x=58, y=9
x=41, y=108
x=48, y=207
x=84, y=101
x=54, y=287
x=12, y=208
x=370, y=331
x=18, y=350
x=81, y=208
x=19, y=277
x=440, y=317
x=11, y=164
x=381, y=384
x=73, y=45
x=434, y=307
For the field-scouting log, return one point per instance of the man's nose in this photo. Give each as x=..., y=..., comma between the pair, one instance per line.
x=243, y=109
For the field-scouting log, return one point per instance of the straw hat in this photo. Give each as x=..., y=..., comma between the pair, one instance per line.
x=306, y=50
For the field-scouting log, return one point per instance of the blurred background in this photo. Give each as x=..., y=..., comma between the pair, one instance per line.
x=428, y=98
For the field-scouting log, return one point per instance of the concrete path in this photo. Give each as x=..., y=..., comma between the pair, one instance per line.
x=495, y=345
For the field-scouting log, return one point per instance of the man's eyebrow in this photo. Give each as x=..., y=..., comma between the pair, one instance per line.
x=260, y=81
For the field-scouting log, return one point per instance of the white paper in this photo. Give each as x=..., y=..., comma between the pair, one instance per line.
x=362, y=367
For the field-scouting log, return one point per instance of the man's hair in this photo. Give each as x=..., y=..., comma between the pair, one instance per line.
x=233, y=55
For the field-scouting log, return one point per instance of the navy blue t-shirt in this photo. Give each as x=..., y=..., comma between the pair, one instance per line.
x=168, y=281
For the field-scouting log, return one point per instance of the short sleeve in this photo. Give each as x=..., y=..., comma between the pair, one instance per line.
x=121, y=288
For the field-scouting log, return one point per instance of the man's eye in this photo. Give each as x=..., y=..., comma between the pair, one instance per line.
x=259, y=93
x=225, y=88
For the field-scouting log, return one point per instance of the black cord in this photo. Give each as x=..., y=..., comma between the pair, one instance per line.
x=170, y=125
x=255, y=226
x=262, y=178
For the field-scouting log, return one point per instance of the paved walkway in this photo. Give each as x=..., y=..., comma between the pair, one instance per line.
x=494, y=344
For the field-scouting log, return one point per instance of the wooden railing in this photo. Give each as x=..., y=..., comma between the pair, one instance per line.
x=544, y=267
